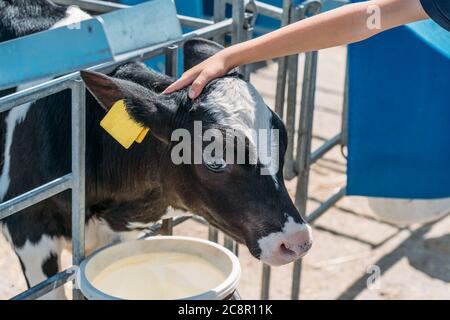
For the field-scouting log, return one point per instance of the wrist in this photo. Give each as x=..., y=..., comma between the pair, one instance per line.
x=230, y=58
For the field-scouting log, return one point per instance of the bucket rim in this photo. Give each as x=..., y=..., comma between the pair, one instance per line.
x=220, y=292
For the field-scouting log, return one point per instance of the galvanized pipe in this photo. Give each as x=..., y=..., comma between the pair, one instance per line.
x=269, y=10
x=331, y=201
x=47, y=285
x=297, y=14
x=78, y=175
x=157, y=228
x=282, y=65
x=218, y=16
x=171, y=69
x=213, y=234
x=304, y=150
x=325, y=148
x=32, y=94
x=265, y=282
x=344, y=123
x=34, y=196
x=93, y=5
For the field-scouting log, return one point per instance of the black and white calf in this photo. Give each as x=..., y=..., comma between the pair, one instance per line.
x=128, y=190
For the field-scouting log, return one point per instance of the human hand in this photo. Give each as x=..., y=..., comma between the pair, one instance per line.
x=200, y=75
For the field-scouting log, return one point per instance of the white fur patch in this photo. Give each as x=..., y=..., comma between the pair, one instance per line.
x=98, y=234
x=33, y=255
x=247, y=113
x=270, y=243
x=245, y=107
x=15, y=117
x=172, y=213
x=139, y=225
x=73, y=15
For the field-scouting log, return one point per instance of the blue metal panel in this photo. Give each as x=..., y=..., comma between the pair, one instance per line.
x=91, y=42
x=141, y=26
x=53, y=52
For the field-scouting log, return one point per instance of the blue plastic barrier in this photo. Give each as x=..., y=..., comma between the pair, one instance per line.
x=399, y=114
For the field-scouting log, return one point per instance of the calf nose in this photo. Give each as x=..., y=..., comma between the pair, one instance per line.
x=291, y=243
x=297, y=244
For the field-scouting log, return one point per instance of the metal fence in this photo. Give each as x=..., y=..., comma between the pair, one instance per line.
x=298, y=157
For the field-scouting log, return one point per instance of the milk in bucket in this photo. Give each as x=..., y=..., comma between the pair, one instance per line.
x=160, y=268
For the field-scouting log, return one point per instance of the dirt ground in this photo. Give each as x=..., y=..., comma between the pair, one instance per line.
x=349, y=241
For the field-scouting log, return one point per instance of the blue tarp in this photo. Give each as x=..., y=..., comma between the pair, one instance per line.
x=399, y=113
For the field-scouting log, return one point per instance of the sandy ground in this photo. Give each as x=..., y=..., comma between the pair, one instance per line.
x=349, y=241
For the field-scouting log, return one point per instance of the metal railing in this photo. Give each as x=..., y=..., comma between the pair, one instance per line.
x=240, y=27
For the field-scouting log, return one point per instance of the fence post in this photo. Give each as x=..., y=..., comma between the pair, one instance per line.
x=219, y=15
x=296, y=14
x=304, y=150
x=171, y=69
x=78, y=175
x=282, y=65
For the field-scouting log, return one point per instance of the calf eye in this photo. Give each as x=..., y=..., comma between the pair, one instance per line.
x=216, y=165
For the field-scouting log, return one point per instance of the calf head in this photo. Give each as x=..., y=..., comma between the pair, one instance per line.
x=224, y=154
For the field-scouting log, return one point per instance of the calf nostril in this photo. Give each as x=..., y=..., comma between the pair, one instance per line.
x=286, y=250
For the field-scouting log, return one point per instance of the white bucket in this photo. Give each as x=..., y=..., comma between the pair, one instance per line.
x=217, y=256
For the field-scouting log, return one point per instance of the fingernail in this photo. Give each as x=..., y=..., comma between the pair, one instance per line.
x=191, y=93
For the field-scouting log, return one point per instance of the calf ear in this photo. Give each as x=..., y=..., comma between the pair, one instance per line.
x=196, y=50
x=106, y=90
x=144, y=106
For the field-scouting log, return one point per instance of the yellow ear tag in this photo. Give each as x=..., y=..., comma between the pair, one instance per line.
x=121, y=127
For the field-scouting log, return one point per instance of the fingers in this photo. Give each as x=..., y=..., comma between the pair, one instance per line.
x=198, y=81
x=185, y=80
x=198, y=85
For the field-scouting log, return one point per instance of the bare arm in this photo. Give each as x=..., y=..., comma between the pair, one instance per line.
x=348, y=24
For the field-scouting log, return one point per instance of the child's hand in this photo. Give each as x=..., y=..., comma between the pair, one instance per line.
x=200, y=75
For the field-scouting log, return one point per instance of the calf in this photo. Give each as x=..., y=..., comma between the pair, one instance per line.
x=128, y=190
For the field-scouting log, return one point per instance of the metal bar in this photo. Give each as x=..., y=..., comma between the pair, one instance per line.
x=171, y=64
x=228, y=243
x=303, y=150
x=238, y=14
x=34, y=196
x=325, y=147
x=192, y=22
x=32, y=94
x=47, y=285
x=213, y=234
x=296, y=277
x=326, y=205
x=218, y=28
x=218, y=16
x=171, y=69
x=156, y=229
x=344, y=124
x=291, y=108
x=167, y=227
x=106, y=6
x=265, y=282
x=282, y=64
x=269, y=10
x=93, y=5
x=78, y=172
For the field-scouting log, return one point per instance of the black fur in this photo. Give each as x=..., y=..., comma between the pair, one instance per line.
x=22, y=17
x=50, y=265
